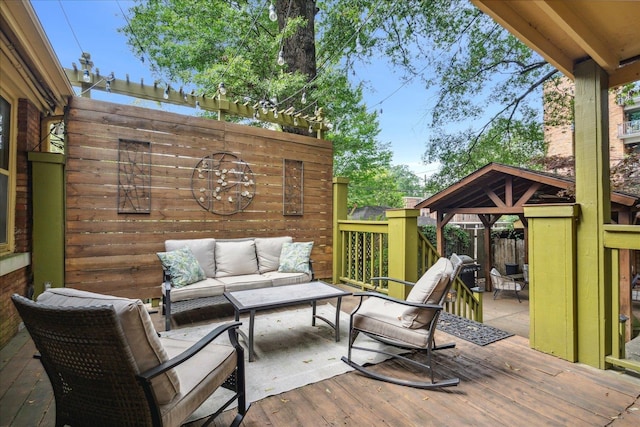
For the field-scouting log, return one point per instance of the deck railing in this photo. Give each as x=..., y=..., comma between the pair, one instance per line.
x=363, y=253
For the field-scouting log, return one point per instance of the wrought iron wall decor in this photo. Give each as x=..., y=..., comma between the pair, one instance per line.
x=223, y=184
x=293, y=188
x=134, y=176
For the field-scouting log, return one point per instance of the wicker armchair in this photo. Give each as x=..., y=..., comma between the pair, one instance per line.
x=102, y=374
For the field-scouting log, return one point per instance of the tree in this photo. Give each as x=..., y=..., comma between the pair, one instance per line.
x=487, y=80
x=236, y=43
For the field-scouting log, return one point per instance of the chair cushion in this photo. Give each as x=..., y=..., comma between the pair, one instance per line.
x=268, y=250
x=235, y=258
x=200, y=376
x=430, y=286
x=141, y=336
x=203, y=250
x=382, y=317
x=295, y=257
x=183, y=267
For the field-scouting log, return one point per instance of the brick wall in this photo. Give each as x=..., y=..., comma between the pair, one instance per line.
x=18, y=281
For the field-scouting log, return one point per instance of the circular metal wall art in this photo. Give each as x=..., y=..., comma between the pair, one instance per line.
x=223, y=184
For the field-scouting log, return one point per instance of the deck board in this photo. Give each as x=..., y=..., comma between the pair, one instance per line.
x=502, y=384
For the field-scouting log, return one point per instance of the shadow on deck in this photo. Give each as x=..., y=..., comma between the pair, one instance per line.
x=504, y=383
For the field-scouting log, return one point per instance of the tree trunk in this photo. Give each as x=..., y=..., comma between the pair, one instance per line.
x=299, y=50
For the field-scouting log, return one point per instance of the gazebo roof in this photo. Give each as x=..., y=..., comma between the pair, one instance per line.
x=504, y=190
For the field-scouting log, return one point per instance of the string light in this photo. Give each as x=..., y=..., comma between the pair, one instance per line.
x=166, y=93
x=273, y=16
x=222, y=89
x=281, y=58
x=107, y=85
x=304, y=97
x=86, y=76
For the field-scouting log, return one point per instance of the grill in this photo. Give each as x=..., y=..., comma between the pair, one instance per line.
x=468, y=271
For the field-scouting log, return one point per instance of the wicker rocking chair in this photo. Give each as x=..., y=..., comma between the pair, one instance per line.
x=108, y=367
x=408, y=325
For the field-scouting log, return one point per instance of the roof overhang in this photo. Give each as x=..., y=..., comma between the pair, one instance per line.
x=29, y=58
x=567, y=33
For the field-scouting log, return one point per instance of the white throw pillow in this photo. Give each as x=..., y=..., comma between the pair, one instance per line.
x=203, y=250
x=235, y=258
x=268, y=250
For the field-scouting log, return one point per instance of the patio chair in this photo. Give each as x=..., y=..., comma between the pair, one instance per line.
x=504, y=283
x=107, y=365
x=408, y=325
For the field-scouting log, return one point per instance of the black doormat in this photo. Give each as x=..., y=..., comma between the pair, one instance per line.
x=470, y=330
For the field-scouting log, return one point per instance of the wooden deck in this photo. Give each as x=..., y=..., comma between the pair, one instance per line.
x=504, y=383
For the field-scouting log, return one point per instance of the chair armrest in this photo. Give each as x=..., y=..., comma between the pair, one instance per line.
x=149, y=374
x=404, y=282
x=396, y=300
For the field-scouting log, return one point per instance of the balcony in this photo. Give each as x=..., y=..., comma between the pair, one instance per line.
x=629, y=129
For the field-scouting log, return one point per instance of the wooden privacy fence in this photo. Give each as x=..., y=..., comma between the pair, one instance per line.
x=136, y=177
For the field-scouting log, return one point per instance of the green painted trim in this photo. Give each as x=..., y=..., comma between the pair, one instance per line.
x=40, y=157
x=552, y=211
x=340, y=190
x=403, y=242
x=622, y=236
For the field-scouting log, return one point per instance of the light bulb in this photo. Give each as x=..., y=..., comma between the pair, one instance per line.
x=222, y=89
x=281, y=58
x=86, y=76
x=273, y=16
x=107, y=86
x=197, y=105
x=310, y=128
x=295, y=121
x=275, y=113
x=304, y=98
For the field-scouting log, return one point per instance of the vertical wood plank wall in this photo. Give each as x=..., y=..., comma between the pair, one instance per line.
x=114, y=253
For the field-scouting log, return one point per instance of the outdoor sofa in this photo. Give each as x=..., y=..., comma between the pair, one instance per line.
x=198, y=271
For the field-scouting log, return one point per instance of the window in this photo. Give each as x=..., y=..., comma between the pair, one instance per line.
x=6, y=210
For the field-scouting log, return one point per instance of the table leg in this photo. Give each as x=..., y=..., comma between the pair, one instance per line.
x=313, y=313
x=252, y=318
x=337, y=328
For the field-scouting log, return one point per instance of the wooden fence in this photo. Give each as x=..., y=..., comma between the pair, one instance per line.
x=113, y=232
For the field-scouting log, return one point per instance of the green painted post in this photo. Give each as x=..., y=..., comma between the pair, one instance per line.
x=340, y=210
x=552, y=279
x=403, y=249
x=48, y=219
x=593, y=194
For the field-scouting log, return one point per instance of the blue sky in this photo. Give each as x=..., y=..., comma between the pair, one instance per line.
x=74, y=26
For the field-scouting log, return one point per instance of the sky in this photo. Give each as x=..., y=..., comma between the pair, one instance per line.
x=76, y=26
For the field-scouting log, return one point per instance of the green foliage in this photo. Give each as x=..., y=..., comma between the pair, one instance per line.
x=454, y=237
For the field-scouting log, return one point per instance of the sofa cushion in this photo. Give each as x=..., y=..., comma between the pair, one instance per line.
x=141, y=336
x=268, y=250
x=203, y=250
x=235, y=258
x=203, y=289
x=438, y=276
x=245, y=281
x=281, y=279
x=183, y=267
x=295, y=257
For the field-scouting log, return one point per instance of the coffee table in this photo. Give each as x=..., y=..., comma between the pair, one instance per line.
x=254, y=300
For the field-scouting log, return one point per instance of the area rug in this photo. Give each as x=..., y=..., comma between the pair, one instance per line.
x=470, y=330
x=289, y=353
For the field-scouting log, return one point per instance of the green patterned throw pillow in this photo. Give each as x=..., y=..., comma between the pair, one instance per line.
x=183, y=267
x=294, y=257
